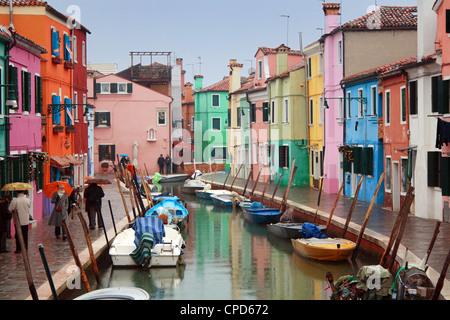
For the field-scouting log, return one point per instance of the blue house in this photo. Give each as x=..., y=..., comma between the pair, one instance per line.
x=363, y=145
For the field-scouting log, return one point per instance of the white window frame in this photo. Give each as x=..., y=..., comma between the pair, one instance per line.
x=74, y=49
x=75, y=112
x=311, y=112
x=272, y=112
x=341, y=109
x=403, y=193
x=220, y=123
x=260, y=71
x=348, y=106
x=151, y=134
x=386, y=123
x=85, y=117
x=212, y=100
x=320, y=110
x=403, y=103
x=386, y=189
x=374, y=100
x=360, y=104
x=125, y=91
x=286, y=111
x=83, y=53
x=165, y=118
x=105, y=88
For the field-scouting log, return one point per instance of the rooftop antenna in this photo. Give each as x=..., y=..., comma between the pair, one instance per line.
x=200, y=63
x=287, y=27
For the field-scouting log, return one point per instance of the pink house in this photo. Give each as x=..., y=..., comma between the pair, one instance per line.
x=129, y=119
x=25, y=136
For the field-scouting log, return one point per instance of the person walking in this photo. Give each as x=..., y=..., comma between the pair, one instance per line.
x=93, y=200
x=168, y=163
x=60, y=211
x=161, y=164
x=22, y=205
x=5, y=217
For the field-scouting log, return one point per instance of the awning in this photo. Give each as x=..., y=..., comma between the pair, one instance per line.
x=73, y=161
x=59, y=162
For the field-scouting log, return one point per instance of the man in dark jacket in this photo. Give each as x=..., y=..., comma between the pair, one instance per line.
x=168, y=163
x=161, y=164
x=93, y=199
x=5, y=216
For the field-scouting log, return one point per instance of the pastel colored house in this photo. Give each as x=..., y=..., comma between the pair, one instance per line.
x=129, y=119
x=288, y=120
x=314, y=96
x=362, y=137
x=211, y=119
x=377, y=38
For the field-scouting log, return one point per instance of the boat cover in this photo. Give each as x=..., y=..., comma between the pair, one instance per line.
x=144, y=248
x=256, y=205
x=310, y=230
x=150, y=225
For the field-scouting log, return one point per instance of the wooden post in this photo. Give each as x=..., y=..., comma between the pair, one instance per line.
x=228, y=174
x=254, y=186
x=286, y=192
x=433, y=240
x=112, y=217
x=366, y=218
x=349, y=216
x=147, y=192
x=123, y=198
x=248, y=179
x=75, y=257
x=89, y=245
x=47, y=271
x=335, y=204
x=206, y=177
x=404, y=210
x=276, y=188
x=318, y=200
x=440, y=283
x=232, y=184
x=214, y=175
x=265, y=187
x=24, y=250
x=130, y=189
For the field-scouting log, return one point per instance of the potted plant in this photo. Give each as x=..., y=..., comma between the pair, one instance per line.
x=104, y=165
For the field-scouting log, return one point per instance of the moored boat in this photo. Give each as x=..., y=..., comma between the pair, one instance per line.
x=288, y=229
x=262, y=214
x=191, y=186
x=117, y=293
x=173, y=208
x=176, y=177
x=206, y=194
x=327, y=249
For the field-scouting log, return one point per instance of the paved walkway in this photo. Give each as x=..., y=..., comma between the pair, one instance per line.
x=13, y=282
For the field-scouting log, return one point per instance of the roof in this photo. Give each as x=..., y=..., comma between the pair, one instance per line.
x=286, y=73
x=223, y=85
x=38, y=3
x=387, y=17
x=267, y=50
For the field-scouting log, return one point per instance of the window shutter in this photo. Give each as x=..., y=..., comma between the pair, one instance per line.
x=358, y=156
x=55, y=43
x=98, y=88
x=229, y=119
x=129, y=88
x=38, y=94
x=67, y=47
x=266, y=112
x=435, y=93
x=40, y=181
x=367, y=162
x=252, y=112
x=113, y=88
x=28, y=91
x=413, y=97
x=443, y=106
x=56, y=100
x=68, y=103
x=434, y=168
x=13, y=79
x=97, y=119
x=238, y=117
x=445, y=176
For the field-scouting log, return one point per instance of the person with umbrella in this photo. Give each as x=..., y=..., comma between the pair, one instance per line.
x=93, y=195
x=22, y=205
x=60, y=211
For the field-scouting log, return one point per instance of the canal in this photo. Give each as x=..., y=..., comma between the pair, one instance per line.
x=227, y=258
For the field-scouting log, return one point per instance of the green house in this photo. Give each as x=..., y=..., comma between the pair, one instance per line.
x=211, y=121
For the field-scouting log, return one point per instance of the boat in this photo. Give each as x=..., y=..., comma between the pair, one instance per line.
x=173, y=208
x=191, y=186
x=149, y=243
x=257, y=213
x=176, y=177
x=326, y=249
x=227, y=199
x=118, y=293
x=288, y=230
x=206, y=194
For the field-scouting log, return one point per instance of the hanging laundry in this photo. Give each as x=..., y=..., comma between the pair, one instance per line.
x=442, y=133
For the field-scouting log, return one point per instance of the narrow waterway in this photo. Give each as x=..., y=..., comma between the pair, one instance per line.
x=227, y=258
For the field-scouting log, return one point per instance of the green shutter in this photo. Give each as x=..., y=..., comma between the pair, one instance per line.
x=113, y=88
x=229, y=118
x=357, y=164
x=38, y=93
x=445, y=176
x=129, y=88
x=443, y=96
x=98, y=88
x=367, y=161
x=252, y=112
x=266, y=112
x=14, y=81
x=433, y=173
x=40, y=174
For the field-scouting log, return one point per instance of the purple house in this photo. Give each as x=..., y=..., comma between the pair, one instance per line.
x=25, y=142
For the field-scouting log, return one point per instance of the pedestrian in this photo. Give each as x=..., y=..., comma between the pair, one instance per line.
x=75, y=202
x=161, y=164
x=60, y=211
x=22, y=205
x=168, y=163
x=93, y=195
x=5, y=217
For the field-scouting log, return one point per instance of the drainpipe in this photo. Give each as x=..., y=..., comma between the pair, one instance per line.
x=11, y=25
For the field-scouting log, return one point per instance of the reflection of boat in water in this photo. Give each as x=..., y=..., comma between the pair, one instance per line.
x=327, y=249
x=116, y=293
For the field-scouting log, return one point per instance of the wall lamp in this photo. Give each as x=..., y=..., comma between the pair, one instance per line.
x=11, y=100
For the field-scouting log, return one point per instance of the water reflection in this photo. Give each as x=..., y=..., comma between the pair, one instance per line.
x=228, y=258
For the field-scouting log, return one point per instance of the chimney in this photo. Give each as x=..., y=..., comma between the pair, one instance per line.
x=198, y=82
x=235, y=75
x=282, y=58
x=332, y=13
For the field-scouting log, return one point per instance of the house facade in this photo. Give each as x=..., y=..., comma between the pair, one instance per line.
x=147, y=111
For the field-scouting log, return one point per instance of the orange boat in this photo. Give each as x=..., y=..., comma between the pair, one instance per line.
x=328, y=249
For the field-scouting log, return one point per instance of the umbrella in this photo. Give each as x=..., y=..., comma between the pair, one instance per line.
x=17, y=186
x=51, y=188
x=98, y=181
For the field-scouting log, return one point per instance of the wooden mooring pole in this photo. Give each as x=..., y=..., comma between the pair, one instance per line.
x=89, y=245
x=350, y=212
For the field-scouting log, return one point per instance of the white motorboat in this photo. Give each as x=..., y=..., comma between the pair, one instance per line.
x=119, y=293
x=190, y=186
x=165, y=253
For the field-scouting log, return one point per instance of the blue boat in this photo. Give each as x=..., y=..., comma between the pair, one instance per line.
x=260, y=214
x=176, y=212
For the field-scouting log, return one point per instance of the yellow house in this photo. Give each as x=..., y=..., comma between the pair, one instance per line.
x=314, y=93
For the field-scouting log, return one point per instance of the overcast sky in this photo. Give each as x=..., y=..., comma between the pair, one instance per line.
x=206, y=34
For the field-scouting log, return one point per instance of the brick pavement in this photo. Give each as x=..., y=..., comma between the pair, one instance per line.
x=14, y=286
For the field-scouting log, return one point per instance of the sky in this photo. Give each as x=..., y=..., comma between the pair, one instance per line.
x=206, y=34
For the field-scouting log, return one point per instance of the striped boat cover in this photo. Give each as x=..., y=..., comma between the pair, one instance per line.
x=150, y=225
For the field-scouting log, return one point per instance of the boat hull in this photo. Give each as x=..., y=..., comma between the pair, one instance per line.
x=324, y=249
x=173, y=178
x=262, y=215
x=288, y=229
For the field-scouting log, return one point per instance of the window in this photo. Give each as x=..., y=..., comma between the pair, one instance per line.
x=215, y=124
x=83, y=53
x=388, y=177
x=161, y=116
x=85, y=118
x=272, y=112
x=360, y=103
x=74, y=49
x=312, y=163
x=311, y=111
x=309, y=68
x=434, y=168
x=321, y=109
x=75, y=108
x=339, y=44
x=348, y=105
x=56, y=115
x=412, y=97
x=341, y=110
x=238, y=117
x=266, y=112
x=192, y=123
x=122, y=88
x=403, y=105
x=219, y=153
x=387, y=106
x=404, y=176
x=367, y=161
x=67, y=48
x=106, y=152
x=105, y=88
x=55, y=42
x=320, y=63
x=215, y=100
x=435, y=93
x=38, y=93
x=252, y=112
x=26, y=91
x=254, y=153
x=373, y=96
x=443, y=96
x=260, y=69
x=283, y=156
x=102, y=119
x=69, y=117
x=151, y=134
x=286, y=111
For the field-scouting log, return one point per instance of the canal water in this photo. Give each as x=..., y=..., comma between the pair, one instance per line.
x=227, y=258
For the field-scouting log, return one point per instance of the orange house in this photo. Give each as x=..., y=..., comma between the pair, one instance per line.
x=52, y=30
